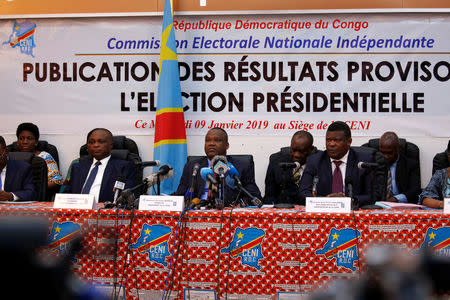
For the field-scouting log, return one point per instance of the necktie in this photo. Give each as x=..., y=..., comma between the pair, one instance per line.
x=389, y=185
x=88, y=184
x=1, y=189
x=296, y=176
x=337, y=185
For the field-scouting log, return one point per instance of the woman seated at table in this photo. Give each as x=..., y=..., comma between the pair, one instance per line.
x=438, y=188
x=27, y=140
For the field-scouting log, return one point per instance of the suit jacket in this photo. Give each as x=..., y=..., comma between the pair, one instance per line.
x=274, y=181
x=19, y=180
x=246, y=175
x=320, y=165
x=407, y=178
x=114, y=169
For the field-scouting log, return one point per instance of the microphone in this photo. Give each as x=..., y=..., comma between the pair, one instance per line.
x=164, y=173
x=315, y=183
x=207, y=175
x=155, y=163
x=367, y=165
x=195, y=170
x=219, y=163
x=233, y=173
x=289, y=165
x=349, y=185
x=119, y=185
x=194, y=203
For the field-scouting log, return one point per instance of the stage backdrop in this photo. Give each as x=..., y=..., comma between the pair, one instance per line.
x=252, y=75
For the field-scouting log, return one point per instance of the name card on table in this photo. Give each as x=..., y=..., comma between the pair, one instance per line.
x=446, y=205
x=329, y=204
x=164, y=203
x=75, y=201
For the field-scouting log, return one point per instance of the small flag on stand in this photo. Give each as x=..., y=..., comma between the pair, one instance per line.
x=170, y=133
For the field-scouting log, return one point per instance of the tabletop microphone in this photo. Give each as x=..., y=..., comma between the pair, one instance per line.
x=154, y=163
x=233, y=173
x=289, y=165
x=164, y=173
x=207, y=175
x=194, y=203
x=367, y=165
x=195, y=170
x=119, y=185
x=315, y=183
x=349, y=185
x=220, y=165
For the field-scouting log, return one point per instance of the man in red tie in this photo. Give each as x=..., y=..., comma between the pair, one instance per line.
x=329, y=173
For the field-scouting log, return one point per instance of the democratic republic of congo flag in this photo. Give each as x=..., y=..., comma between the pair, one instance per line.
x=170, y=134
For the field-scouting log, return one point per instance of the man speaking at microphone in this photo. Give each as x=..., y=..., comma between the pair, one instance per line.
x=283, y=172
x=325, y=172
x=216, y=143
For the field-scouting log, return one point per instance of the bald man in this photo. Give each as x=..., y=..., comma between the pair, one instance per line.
x=403, y=184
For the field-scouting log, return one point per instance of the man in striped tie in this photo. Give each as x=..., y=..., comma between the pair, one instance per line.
x=403, y=179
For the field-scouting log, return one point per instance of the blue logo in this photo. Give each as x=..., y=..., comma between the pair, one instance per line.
x=154, y=241
x=341, y=245
x=23, y=37
x=61, y=235
x=438, y=240
x=246, y=244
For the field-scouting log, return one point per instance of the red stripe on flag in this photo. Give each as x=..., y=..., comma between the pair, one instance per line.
x=63, y=240
x=22, y=37
x=344, y=246
x=153, y=243
x=170, y=125
x=442, y=244
x=247, y=246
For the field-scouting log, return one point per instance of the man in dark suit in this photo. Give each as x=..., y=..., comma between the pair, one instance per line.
x=97, y=174
x=16, y=177
x=282, y=183
x=326, y=172
x=403, y=179
x=216, y=143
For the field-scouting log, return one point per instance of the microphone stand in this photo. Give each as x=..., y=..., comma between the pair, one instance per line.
x=247, y=193
x=127, y=194
x=283, y=197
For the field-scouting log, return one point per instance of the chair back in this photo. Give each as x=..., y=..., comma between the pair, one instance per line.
x=40, y=172
x=119, y=142
x=41, y=146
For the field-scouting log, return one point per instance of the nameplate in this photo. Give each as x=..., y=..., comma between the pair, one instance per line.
x=329, y=204
x=75, y=201
x=164, y=203
x=446, y=205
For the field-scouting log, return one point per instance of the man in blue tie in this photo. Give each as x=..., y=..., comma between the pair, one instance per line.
x=326, y=172
x=97, y=174
x=16, y=177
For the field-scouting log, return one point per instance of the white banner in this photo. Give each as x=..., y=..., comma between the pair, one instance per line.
x=252, y=75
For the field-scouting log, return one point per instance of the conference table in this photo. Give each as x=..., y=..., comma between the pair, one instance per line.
x=238, y=253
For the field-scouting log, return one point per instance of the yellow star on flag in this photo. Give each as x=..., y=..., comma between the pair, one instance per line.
x=57, y=229
x=240, y=235
x=432, y=235
x=335, y=236
x=147, y=231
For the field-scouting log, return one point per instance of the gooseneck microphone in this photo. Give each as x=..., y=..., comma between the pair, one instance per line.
x=289, y=165
x=367, y=165
x=234, y=174
x=314, y=187
x=119, y=185
x=153, y=163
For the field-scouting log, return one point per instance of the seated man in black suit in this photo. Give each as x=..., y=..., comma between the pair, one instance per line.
x=326, y=172
x=403, y=179
x=16, y=177
x=216, y=143
x=277, y=176
x=98, y=174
